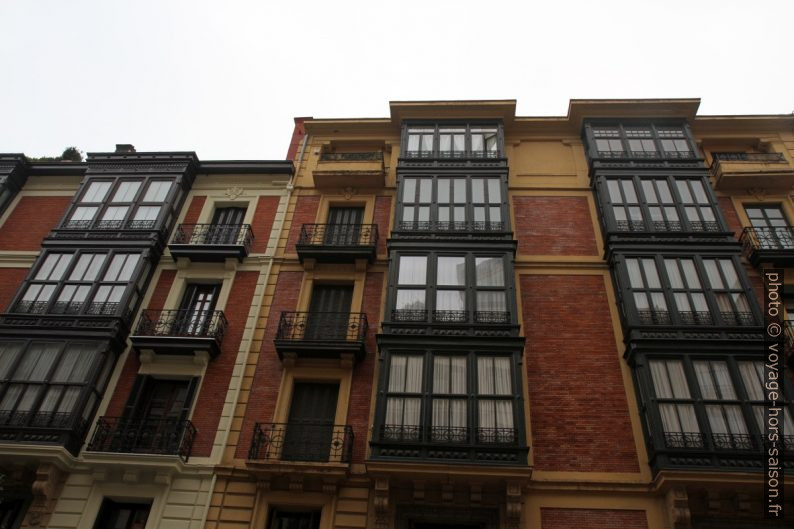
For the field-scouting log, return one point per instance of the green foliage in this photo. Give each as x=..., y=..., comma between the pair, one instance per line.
x=70, y=154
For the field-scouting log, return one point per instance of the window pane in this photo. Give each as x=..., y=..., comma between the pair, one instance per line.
x=690, y=273
x=488, y=301
x=460, y=190
x=126, y=191
x=147, y=213
x=36, y=362
x=628, y=191
x=699, y=192
x=96, y=192
x=490, y=271
x=450, y=300
x=9, y=352
x=87, y=267
x=84, y=213
x=650, y=273
x=425, y=190
x=635, y=276
x=443, y=191
x=115, y=213
x=753, y=375
x=494, y=194
x=54, y=266
x=409, y=190
x=731, y=277
x=614, y=192
x=713, y=274
x=668, y=379
x=412, y=270
x=648, y=190
x=451, y=271
x=478, y=190
x=449, y=375
x=673, y=274
x=410, y=299
x=157, y=191
x=683, y=190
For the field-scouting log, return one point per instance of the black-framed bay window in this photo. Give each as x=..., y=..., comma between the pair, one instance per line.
x=708, y=403
x=452, y=140
x=452, y=203
x=640, y=203
x=449, y=397
x=120, y=203
x=51, y=384
x=686, y=290
x=84, y=282
x=452, y=287
x=639, y=140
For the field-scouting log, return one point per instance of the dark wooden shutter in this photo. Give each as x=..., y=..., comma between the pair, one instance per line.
x=344, y=226
x=329, y=312
x=311, y=422
x=225, y=227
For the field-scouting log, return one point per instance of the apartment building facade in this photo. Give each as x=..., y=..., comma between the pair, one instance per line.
x=449, y=317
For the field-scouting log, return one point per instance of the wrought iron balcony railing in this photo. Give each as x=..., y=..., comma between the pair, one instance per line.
x=185, y=323
x=450, y=226
x=214, y=235
x=144, y=436
x=338, y=235
x=686, y=317
x=669, y=226
x=302, y=441
x=778, y=238
x=322, y=326
x=451, y=316
x=374, y=156
x=646, y=155
x=456, y=155
x=109, y=224
x=71, y=307
x=748, y=156
x=448, y=434
x=721, y=441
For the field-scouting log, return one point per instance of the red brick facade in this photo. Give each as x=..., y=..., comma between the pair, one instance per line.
x=267, y=377
x=10, y=280
x=194, y=209
x=382, y=218
x=592, y=519
x=305, y=213
x=731, y=216
x=580, y=416
x=160, y=294
x=263, y=222
x=553, y=226
x=31, y=221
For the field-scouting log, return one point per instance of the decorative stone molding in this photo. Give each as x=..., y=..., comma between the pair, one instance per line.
x=348, y=192
x=234, y=192
x=513, y=505
x=381, y=503
x=677, y=503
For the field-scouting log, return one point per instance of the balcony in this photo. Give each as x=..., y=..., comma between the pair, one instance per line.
x=493, y=446
x=43, y=428
x=310, y=442
x=211, y=242
x=144, y=436
x=350, y=169
x=739, y=171
x=697, y=318
x=337, y=243
x=774, y=246
x=725, y=450
x=321, y=334
x=180, y=332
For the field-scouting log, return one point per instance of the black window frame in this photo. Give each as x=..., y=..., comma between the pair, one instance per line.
x=705, y=438
x=470, y=314
x=646, y=223
x=660, y=133
x=92, y=386
x=470, y=209
x=436, y=128
x=126, y=305
x=128, y=221
x=675, y=317
x=425, y=432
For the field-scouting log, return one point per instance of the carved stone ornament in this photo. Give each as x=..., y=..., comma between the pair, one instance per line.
x=381, y=503
x=758, y=192
x=234, y=192
x=513, y=505
x=348, y=192
x=677, y=503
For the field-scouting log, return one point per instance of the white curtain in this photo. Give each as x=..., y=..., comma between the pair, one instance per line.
x=413, y=270
x=715, y=280
x=491, y=301
x=157, y=191
x=669, y=380
x=490, y=271
x=451, y=271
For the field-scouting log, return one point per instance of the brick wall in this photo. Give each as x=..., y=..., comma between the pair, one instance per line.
x=10, y=280
x=580, y=417
x=162, y=289
x=592, y=519
x=194, y=209
x=730, y=214
x=31, y=221
x=305, y=213
x=267, y=377
x=382, y=217
x=263, y=222
x=554, y=226
x=361, y=391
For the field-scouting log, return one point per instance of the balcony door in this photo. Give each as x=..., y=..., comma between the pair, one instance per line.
x=156, y=413
x=226, y=224
x=772, y=229
x=310, y=427
x=118, y=515
x=344, y=226
x=196, y=311
x=329, y=312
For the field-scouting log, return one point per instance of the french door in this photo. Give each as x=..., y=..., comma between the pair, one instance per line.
x=196, y=310
x=344, y=226
x=773, y=231
x=310, y=426
x=226, y=225
x=329, y=313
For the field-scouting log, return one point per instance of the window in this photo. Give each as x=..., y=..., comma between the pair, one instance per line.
x=451, y=203
x=451, y=141
x=65, y=282
x=285, y=519
x=649, y=141
x=468, y=398
x=699, y=404
x=451, y=288
x=117, y=515
x=123, y=203
x=698, y=291
x=770, y=229
x=50, y=383
x=660, y=204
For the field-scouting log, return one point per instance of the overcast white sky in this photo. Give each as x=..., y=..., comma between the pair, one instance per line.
x=226, y=78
